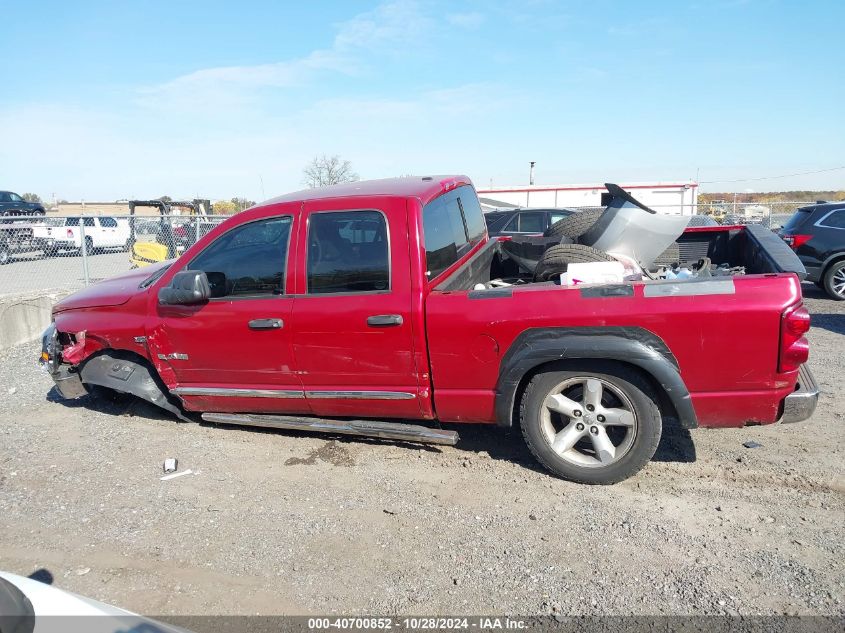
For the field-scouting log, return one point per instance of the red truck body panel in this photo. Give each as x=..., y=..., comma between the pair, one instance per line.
x=444, y=359
x=732, y=379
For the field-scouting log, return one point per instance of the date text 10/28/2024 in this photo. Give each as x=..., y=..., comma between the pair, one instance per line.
x=417, y=624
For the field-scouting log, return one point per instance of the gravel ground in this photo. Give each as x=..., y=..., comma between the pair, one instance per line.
x=275, y=522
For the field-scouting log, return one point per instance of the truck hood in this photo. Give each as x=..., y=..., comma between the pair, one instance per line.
x=114, y=291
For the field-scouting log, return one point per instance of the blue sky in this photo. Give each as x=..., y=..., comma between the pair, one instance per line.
x=107, y=100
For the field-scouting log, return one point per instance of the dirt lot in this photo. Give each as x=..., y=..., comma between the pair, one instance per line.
x=292, y=523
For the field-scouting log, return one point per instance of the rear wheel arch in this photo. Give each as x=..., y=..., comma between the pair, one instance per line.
x=831, y=261
x=567, y=349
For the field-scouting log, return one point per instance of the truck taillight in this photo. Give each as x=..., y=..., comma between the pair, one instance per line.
x=70, y=232
x=794, y=347
x=795, y=241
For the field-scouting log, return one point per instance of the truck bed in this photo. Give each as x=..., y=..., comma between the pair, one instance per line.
x=753, y=248
x=699, y=319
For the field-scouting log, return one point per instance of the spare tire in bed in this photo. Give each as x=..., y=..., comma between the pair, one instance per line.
x=556, y=260
x=574, y=225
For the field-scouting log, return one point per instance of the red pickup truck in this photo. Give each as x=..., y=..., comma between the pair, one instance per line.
x=360, y=307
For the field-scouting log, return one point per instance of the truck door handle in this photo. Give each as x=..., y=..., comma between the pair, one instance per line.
x=384, y=320
x=266, y=324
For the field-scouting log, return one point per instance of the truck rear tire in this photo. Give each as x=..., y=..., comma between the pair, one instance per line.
x=598, y=424
x=557, y=258
x=575, y=225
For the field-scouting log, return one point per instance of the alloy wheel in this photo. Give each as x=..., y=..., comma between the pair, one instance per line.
x=837, y=282
x=588, y=422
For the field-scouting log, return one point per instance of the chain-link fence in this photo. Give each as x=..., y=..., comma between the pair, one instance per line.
x=68, y=253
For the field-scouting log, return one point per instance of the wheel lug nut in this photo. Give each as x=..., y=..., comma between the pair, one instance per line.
x=590, y=407
x=600, y=418
x=577, y=413
x=594, y=430
x=579, y=426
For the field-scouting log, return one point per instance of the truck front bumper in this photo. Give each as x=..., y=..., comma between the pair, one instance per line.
x=68, y=382
x=801, y=403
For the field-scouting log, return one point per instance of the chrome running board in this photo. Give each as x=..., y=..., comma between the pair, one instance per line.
x=368, y=428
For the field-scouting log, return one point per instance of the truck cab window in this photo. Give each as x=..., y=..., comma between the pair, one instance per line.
x=348, y=252
x=445, y=235
x=249, y=260
x=474, y=216
x=108, y=223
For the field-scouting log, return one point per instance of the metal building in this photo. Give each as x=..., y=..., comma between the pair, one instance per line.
x=676, y=198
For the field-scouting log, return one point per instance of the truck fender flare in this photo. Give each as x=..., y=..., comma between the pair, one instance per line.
x=632, y=345
x=129, y=373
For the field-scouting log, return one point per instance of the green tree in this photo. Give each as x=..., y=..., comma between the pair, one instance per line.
x=224, y=207
x=31, y=197
x=242, y=203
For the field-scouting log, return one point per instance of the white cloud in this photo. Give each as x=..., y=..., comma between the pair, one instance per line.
x=470, y=20
x=383, y=29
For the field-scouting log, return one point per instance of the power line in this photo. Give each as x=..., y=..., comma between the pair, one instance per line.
x=801, y=173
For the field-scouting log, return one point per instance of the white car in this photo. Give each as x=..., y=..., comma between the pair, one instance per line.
x=66, y=234
x=30, y=606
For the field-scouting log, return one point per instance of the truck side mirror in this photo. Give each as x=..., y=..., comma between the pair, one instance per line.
x=188, y=287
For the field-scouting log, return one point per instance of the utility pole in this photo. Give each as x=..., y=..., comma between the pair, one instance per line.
x=531, y=172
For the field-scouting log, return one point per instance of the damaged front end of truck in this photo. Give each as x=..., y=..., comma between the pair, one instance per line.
x=74, y=364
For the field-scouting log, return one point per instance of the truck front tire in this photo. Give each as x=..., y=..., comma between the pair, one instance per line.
x=599, y=424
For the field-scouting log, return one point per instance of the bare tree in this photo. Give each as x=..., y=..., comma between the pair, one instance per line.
x=328, y=170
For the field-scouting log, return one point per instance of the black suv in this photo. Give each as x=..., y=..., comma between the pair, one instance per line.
x=519, y=221
x=12, y=204
x=817, y=234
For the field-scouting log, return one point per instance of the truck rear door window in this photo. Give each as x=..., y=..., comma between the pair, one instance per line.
x=249, y=260
x=108, y=223
x=348, y=252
